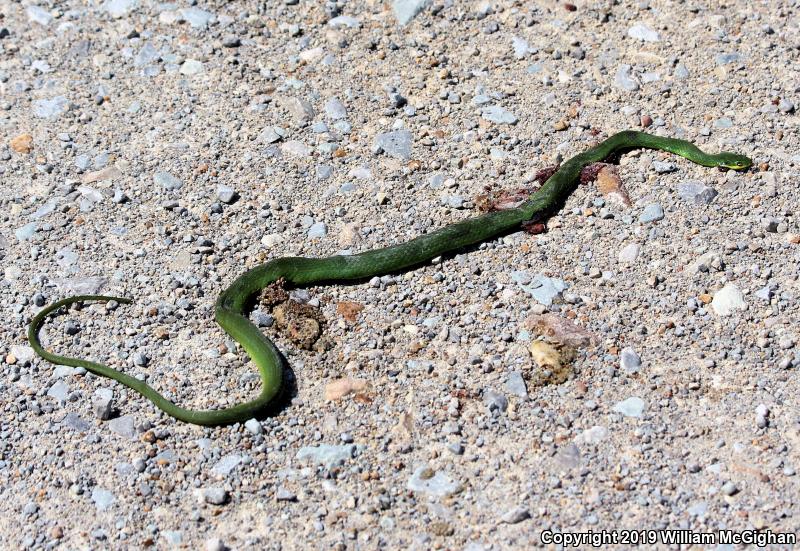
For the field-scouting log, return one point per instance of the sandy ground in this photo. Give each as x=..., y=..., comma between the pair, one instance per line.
x=158, y=150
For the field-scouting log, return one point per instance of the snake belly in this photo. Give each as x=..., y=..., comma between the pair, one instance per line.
x=232, y=305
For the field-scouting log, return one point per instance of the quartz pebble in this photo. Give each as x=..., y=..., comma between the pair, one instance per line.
x=498, y=115
x=102, y=498
x=326, y=454
x=437, y=484
x=632, y=407
x=727, y=300
x=629, y=360
x=643, y=32
x=629, y=253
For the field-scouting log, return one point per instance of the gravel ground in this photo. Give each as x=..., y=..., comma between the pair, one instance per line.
x=157, y=150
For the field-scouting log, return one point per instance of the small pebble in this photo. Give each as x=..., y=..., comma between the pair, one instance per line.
x=216, y=496
x=629, y=362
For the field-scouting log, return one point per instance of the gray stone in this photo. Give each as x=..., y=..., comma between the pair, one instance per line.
x=335, y=109
x=44, y=210
x=762, y=413
x=521, y=47
x=272, y=134
x=681, y=72
x=173, y=537
x=727, y=300
x=26, y=232
x=253, y=426
x=167, y=181
x=495, y=400
x=50, y=108
x=454, y=201
x=396, y=144
x=215, y=544
x=771, y=224
x=82, y=161
x=632, y=407
x=696, y=192
x=785, y=106
x=437, y=484
x=726, y=59
x=80, y=285
x=123, y=426
x=723, y=122
x=629, y=253
x=103, y=403
x=197, y=18
x=295, y=148
x=71, y=327
x=225, y=466
x=317, y=230
x=544, y=289
x=191, y=67
x=147, y=55
x=406, y=10
x=343, y=127
x=282, y=494
x=498, y=115
x=765, y=293
x=90, y=193
x=629, y=360
x=592, y=436
x=651, y=213
x=664, y=167
x=643, y=33
x=119, y=197
x=516, y=515
x=102, y=498
x=215, y=495
x=699, y=509
x=344, y=21
x=59, y=391
x=231, y=41
x=76, y=422
x=729, y=489
x=327, y=455
x=120, y=8
x=39, y=15
x=226, y=194
x=623, y=79
x=568, y=457
x=515, y=384
x=63, y=371
x=22, y=352
x=300, y=110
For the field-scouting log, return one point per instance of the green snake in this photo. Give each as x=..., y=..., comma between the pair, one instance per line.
x=232, y=306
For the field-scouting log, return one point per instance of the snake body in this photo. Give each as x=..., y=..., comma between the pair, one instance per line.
x=232, y=304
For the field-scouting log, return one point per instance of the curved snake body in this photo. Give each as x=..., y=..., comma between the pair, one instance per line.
x=232, y=305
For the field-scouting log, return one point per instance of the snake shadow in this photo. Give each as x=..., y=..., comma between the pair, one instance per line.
x=288, y=391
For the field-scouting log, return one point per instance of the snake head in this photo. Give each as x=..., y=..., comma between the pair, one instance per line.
x=733, y=161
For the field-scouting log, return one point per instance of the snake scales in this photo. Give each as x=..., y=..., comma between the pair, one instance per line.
x=232, y=305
